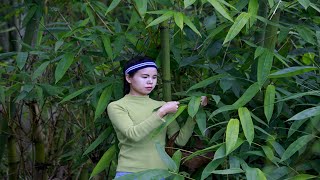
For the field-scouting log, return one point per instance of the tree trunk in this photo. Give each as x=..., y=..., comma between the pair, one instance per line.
x=165, y=59
x=13, y=158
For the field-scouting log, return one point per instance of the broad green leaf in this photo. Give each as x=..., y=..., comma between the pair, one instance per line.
x=315, y=7
x=254, y=173
x=103, y=101
x=304, y=3
x=228, y=171
x=142, y=6
x=63, y=66
x=105, y=134
x=232, y=133
x=2, y=96
x=58, y=44
x=75, y=94
x=246, y=123
x=207, y=82
x=178, y=19
x=40, y=70
x=243, y=100
x=22, y=59
x=263, y=131
x=113, y=4
x=292, y=71
x=201, y=121
x=302, y=177
x=308, y=58
x=277, y=147
x=169, y=119
x=30, y=15
x=269, y=98
x=238, y=24
x=271, y=3
x=107, y=46
x=264, y=66
x=253, y=11
x=163, y=17
x=211, y=167
x=216, y=4
x=259, y=51
x=202, y=151
x=191, y=25
x=52, y=90
x=177, y=159
x=314, y=111
x=193, y=106
x=104, y=161
x=298, y=95
x=270, y=155
x=295, y=126
x=188, y=3
x=306, y=34
x=296, y=146
x=172, y=166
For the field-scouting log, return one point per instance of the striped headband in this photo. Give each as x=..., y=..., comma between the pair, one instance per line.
x=140, y=65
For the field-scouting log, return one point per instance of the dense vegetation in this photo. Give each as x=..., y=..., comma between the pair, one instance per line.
x=257, y=61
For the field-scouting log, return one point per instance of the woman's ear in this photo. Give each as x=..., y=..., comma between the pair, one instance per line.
x=128, y=79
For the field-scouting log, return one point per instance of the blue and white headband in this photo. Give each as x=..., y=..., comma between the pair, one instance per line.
x=140, y=65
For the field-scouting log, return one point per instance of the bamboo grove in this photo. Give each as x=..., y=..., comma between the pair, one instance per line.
x=257, y=61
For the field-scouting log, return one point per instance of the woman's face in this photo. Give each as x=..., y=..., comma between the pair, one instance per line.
x=143, y=81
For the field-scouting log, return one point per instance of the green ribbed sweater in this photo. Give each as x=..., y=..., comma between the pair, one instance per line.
x=134, y=118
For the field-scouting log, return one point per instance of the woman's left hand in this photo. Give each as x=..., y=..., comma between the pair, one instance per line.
x=204, y=101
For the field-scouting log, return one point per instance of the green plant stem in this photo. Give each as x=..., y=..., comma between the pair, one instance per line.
x=165, y=59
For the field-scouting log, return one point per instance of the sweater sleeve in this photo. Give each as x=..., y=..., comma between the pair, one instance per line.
x=121, y=121
x=184, y=133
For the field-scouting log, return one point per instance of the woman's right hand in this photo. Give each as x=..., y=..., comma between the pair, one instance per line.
x=169, y=107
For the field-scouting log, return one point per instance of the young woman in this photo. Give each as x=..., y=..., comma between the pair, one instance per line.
x=136, y=115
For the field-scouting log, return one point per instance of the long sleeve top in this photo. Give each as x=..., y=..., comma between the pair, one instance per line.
x=134, y=118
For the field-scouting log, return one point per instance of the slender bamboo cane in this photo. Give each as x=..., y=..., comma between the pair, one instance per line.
x=13, y=158
x=165, y=59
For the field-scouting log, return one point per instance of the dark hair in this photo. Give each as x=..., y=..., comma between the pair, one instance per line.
x=131, y=62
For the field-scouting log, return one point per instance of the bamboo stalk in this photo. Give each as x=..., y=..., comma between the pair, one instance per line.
x=13, y=158
x=165, y=60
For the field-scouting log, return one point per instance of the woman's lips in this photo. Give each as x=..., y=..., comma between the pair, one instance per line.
x=149, y=88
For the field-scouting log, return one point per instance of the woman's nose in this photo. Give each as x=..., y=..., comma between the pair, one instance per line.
x=150, y=81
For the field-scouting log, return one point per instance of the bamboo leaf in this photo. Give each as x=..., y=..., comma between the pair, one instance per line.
x=307, y=113
x=211, y=167
x=304, y=3
x=296, y=146
x=306, y=34
x=162, y=18
x=216, y=4
x=107, y=46
x=113, y=4
x=188, y=3
x=166, y=158
x=103, y=101
x=292, y=71
x=22, y=59
x=254, y=173
x=63, y=66
x=99, y=140
x=104, y=161
x=193, y=106
x=191, y=25
x=202, y=151
x=169, y=119
x=201, y=121
x=40, y=70
x=29, y=15
x=295, y=126
x=232, y=134
x=298, y=95
x=269, y=101
x=228, y=171
x=178, y=19
x=246, y=123
x=75, y=94
x=142, y=6
x=207, y=82
x=302, y=177
x=264, y=66
x=269, y=153
x=238, y=24
x=253, y=11
x=177, y=158
x=90, y=14
x=315, y=7
x=57, y=45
